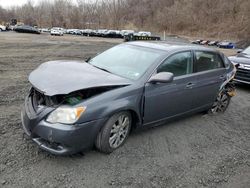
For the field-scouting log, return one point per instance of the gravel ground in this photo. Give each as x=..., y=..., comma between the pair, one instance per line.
x=198, y=151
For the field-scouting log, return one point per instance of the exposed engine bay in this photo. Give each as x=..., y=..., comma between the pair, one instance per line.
x=39, y=99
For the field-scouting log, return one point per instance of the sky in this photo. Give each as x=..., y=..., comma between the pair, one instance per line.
x=9, y=3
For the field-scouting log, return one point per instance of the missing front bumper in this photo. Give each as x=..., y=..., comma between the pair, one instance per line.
x=51, y=147
x=60, y=139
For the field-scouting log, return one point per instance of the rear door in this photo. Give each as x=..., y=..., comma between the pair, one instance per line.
x=211, y=73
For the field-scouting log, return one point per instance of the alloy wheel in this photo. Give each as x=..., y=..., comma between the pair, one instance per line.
x=119, y=131
x=221, y=103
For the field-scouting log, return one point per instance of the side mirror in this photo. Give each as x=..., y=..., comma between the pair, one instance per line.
x=162, y=77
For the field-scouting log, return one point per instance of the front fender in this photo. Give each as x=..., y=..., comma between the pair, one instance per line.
x=127, y=104
x=109, y=103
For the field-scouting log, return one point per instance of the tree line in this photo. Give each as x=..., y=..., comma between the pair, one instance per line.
x=215, y=18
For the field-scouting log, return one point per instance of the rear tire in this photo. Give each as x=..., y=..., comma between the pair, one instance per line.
x=114, y=133
x=221, y=103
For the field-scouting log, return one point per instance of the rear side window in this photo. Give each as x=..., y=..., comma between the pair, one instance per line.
x=207, y=61
x=178, y=64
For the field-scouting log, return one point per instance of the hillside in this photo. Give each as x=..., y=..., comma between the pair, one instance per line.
x=210, y=18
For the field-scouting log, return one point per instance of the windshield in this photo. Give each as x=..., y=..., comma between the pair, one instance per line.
x=247, y=51
x=126, y=60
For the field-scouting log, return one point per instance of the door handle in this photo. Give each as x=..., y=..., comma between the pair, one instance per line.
x=190, y=85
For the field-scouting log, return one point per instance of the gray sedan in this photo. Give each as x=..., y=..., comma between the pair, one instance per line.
x=73, y=106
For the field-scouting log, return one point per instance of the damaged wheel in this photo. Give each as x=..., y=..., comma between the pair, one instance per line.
x=114, y=133
x=221, y=103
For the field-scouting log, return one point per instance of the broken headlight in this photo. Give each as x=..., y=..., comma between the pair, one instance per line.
x=66, y=114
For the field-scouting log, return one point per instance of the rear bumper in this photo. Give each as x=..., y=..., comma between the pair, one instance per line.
x=60, y=139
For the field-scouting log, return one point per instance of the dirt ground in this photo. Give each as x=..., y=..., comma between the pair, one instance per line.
x=198, y=151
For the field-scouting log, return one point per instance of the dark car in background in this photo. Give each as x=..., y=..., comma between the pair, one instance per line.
x=226, y=44
x=213, y=43
x=205, y=42
x=242, y=63
x=76, y=32
x=93, y=33
x=26, y=29
x=113, y=34
x=74, y=105
x=86, y=32
x=197, y=41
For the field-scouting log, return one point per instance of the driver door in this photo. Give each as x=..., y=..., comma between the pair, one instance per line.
x=166, y=100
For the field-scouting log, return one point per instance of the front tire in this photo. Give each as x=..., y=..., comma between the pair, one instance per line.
x=114, y=133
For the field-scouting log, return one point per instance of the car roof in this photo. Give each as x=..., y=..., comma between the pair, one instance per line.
x=170, y=46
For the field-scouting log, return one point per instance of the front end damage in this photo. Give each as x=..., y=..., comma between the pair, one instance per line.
x=40, y=100
x=230, y=89
x=59, y=138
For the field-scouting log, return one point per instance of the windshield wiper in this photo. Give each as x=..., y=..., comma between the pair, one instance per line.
x=87, y=59
x=101, y=68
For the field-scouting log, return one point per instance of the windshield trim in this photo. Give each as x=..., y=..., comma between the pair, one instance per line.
x=100, y=68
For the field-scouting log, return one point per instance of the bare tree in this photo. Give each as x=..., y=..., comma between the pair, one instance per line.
x=211, y=17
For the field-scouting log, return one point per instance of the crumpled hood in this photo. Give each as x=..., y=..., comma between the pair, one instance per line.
x=240, y=59
x=64, y=77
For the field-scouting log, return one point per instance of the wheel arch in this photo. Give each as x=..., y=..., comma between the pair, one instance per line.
x=136, y=119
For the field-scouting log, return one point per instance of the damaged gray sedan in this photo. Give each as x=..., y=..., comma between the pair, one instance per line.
x=73, y=106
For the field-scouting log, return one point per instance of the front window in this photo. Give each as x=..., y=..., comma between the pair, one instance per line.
x=126, y=60
x=178, y=64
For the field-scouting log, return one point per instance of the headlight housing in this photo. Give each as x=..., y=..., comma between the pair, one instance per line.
x=65, y=114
